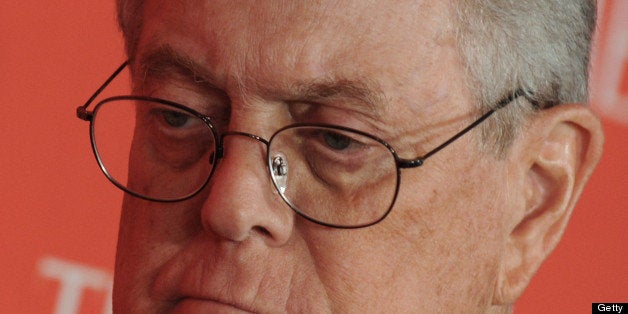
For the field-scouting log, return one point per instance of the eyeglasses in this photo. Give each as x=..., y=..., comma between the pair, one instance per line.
x=332, y=175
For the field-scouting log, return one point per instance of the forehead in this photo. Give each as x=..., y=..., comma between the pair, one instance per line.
x=308, y=39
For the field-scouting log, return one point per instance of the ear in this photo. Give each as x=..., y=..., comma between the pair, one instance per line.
x=551, y=161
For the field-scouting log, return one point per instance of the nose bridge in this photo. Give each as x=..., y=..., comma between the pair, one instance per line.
x=239, y=203
x=221, y=147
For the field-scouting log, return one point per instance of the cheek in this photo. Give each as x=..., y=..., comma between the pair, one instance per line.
x=455, y=215
x=150, y=234
x=146, y=223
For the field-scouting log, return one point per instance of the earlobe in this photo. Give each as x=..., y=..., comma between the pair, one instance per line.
x=559, y=148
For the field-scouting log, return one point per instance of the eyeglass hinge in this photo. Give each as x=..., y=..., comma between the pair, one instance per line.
x=83, y=114
x=410, y=163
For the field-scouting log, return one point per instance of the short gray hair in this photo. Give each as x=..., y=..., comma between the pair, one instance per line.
x=539, y=46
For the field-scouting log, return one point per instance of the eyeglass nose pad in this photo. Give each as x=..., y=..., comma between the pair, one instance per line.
x=279, y=167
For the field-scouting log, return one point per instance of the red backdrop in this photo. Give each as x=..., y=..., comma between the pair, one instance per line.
x=59, y=216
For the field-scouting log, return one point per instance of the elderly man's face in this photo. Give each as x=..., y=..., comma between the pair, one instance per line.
x=237, y=245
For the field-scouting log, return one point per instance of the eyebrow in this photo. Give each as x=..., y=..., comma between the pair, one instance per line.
x=366, y=92
x=164, y=59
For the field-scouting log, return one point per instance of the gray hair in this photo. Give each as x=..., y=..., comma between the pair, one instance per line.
x=539, y=46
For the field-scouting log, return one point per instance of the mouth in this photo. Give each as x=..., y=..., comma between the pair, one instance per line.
x=201, y=305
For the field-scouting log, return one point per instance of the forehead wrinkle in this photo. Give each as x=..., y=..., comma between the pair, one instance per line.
x=164, y=59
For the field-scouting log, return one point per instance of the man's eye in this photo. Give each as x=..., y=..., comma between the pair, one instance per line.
x=337, y=141
x=175, y=119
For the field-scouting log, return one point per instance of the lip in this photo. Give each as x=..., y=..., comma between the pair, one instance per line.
x=201, y=305
x=185, y=295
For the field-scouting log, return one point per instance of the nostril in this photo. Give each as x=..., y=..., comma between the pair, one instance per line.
x=263, y=231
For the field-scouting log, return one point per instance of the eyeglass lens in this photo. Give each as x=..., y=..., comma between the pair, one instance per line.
x=334, y=176
x=152, y=149
x=328, y=174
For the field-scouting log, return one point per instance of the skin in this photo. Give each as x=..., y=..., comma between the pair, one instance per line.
x=454, y=241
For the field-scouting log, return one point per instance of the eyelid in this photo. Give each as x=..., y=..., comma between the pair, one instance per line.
x=335, y=114
x=354, y=150
x=207, y=103
x=353, y=142
x=176, y=111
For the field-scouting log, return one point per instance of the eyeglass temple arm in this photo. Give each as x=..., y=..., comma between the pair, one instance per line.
x=411, y=163
x=81, y=112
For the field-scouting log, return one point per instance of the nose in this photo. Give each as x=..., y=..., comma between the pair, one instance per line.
x=242, y=201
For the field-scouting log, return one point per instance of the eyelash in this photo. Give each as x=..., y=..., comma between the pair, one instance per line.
x=218, y=113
